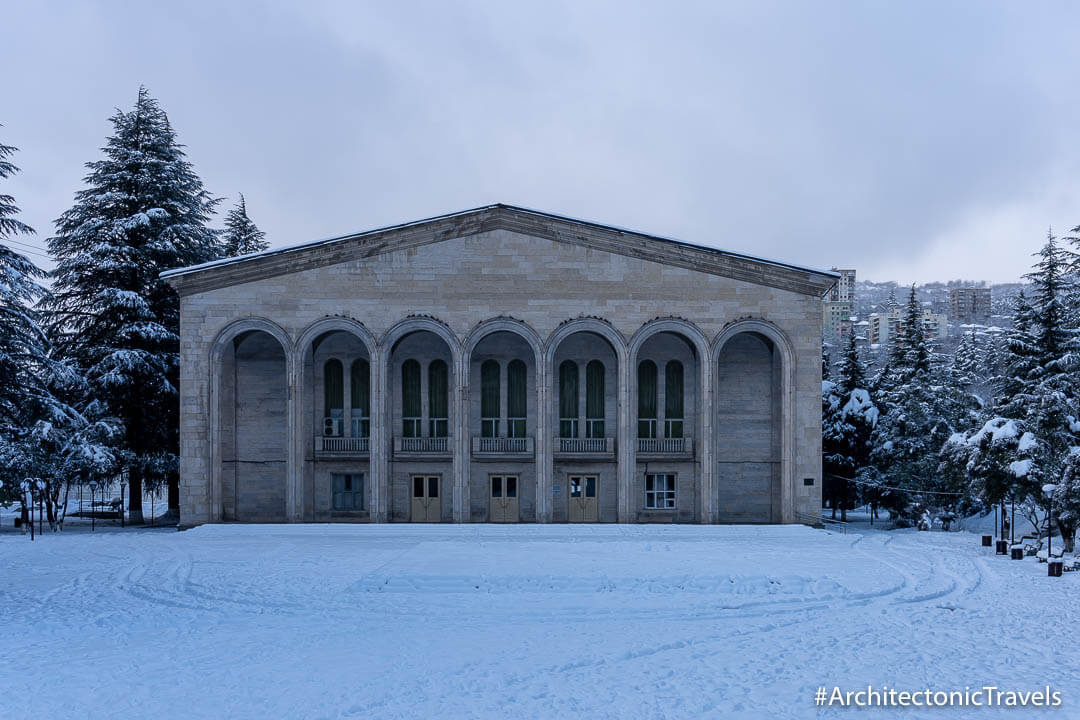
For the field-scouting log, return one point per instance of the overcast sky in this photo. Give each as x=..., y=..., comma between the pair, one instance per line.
x=912, y=141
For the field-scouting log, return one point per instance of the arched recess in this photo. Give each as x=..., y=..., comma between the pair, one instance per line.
x=754, y=379
x=507, y=339
x=702, y=377
x=617, y=423
x=424, y=339
x=345, y=340
x=251, y=462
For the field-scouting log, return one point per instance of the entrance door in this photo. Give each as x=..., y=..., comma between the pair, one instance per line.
x=426, y=504
x=583, y=499
x=503, y=506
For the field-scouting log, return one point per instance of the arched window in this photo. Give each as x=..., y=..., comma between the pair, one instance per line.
x=489, y=399
x=333, y=397
x=646, y=399
x=360, y=395
x=568, y=399
x=517, y=399
x=673, y=399
x=594, y=399
x=410, y=399
x=438, y=399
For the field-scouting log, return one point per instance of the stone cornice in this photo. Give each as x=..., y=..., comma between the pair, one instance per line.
x=347, y=248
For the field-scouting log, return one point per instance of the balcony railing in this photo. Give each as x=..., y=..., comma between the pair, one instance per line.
x=585, y=446
x=665, y=446
x=422, y=445
x=502, y=446
x=326, y=445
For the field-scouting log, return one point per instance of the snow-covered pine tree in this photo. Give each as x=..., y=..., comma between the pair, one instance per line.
x=23, y=345
x=42, y=433
x=1040, y=384
x=144, y=210
x=913, y=424
x=991, y=463
x=1018, y=356
x=848, y=423
x=241, y=236
x=1067, y=501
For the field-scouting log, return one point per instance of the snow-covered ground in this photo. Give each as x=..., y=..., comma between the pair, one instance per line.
x=459, y=621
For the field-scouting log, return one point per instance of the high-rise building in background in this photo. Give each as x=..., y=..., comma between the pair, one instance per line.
x=839, y=308
x=844, y=290
x=970, y=305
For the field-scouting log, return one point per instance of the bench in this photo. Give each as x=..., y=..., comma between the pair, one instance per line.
x=1055, y=554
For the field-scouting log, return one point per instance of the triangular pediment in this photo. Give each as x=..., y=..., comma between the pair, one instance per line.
x=357, y=246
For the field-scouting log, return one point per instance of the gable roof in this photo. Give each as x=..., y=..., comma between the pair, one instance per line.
x=345, y=248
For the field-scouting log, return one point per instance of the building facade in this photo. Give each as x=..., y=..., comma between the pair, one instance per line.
x=970, y=305
x=844, y=290
x=885, y=325
x=837, y=321
x=500, y=365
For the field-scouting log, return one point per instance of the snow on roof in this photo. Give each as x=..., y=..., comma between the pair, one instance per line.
x=553, y=216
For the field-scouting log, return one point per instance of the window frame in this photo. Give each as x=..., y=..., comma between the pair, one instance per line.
x=356, y=481
x=569, y=375
x=656, y=498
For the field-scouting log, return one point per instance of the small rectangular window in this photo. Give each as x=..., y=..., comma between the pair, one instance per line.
x=511, y=486
x=590, y=487
x=660, y=491
x=347, y=491
x=418, y=487
x=433, y=487
x=496, y=486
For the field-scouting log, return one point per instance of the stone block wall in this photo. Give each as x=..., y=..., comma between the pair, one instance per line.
x=542, y=283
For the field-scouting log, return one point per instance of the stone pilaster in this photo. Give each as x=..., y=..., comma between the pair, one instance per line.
x=379, y=447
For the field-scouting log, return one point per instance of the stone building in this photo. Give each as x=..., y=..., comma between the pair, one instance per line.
x=500, y=365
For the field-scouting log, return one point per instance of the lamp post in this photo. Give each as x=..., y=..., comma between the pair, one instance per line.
x=93, y=506
x=1052, y=568
x=123, y=486
x=28, y=500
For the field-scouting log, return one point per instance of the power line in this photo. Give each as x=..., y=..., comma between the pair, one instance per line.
x=27, y=245
x=897, y=489
x=21, y=247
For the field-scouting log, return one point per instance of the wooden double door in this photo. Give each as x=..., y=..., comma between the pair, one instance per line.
x=582, y=498
x=426, y=499
x=503, y=498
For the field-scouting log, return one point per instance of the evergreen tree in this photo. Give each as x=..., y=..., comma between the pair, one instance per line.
x=23, y=346
x=42, y=433
x=241, y=236
x=849, y=417
x=1039, y=387
x=1066, y=501
x=991, y=463
x=144, y=210
x=913, y=424
x=1019, y=355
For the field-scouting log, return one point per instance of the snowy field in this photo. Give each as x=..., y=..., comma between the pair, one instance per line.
x=462, y=621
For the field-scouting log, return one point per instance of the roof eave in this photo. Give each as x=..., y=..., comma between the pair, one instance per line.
x=343, y=248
